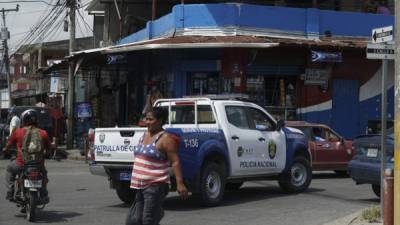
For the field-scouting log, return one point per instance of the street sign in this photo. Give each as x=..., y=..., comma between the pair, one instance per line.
x=380, y=51
x=382, y=34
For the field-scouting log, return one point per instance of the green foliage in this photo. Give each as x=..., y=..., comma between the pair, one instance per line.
x=372, y=215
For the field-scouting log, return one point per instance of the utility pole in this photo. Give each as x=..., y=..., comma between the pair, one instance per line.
x=397, y=115
x=71, y=77
x=5, y=35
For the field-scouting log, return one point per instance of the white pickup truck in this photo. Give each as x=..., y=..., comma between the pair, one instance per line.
x=223, y=143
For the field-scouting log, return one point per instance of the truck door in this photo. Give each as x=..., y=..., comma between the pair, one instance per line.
x=330, y=153
x=270, y=146
x=249, y=146
x=241, y=140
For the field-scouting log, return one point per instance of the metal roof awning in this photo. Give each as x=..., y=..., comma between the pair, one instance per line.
x=198, y=42
x=119, y=49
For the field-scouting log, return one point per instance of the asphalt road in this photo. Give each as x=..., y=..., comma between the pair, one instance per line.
x=77, y=197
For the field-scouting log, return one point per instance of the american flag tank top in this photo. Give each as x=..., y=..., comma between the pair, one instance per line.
x=149, y=165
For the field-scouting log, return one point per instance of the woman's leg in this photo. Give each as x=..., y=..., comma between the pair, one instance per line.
x=135, y=215
x=153, y=199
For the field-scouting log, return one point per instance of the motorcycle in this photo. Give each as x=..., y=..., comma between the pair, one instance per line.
x=29, y=190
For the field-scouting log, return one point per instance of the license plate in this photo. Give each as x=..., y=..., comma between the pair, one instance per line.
x=372, y=152
x=33, y=183
x=125, y=176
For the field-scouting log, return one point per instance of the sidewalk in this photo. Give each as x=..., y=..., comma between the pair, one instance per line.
x=352, y=219
x=71, y=154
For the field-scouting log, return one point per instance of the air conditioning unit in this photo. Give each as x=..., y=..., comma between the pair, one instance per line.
x=103, y=44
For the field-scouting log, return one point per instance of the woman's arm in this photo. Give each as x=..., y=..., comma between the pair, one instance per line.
x=170, y=146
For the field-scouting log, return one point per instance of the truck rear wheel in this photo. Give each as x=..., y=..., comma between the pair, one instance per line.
x=212, y=184
x=376, y=189
x=298, y=177
x=125, y=193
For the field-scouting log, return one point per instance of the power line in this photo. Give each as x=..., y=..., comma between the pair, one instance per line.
x=43, y=26
x=84, y=21
x=29, y=1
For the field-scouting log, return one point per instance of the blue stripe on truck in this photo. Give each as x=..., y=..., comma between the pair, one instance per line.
x=197, y=143
x=295, y=140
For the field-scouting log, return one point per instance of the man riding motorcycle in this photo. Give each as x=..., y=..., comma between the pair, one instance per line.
x=29, y=119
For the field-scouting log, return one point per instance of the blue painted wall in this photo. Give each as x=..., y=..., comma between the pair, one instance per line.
x=345, y=107
x=271, y=19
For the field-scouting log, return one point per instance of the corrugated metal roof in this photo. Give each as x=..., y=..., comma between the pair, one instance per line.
x=227, y=42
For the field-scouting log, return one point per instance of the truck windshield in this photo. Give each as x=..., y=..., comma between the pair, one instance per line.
x=184, y=114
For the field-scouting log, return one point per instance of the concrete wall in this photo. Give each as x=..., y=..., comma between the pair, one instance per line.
x=267, y=20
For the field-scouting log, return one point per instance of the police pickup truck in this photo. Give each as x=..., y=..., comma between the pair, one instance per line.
x=223, y=142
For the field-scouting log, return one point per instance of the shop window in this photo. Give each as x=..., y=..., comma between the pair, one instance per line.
x=203, y=83
x=276, y=94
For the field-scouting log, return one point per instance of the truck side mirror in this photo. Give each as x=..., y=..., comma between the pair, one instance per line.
x=280, y=124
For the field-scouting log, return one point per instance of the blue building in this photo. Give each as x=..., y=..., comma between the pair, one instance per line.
x=265, y=52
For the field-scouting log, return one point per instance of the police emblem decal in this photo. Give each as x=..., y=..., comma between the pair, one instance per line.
x=271, y=149
x=240, y=151
x=102, y=137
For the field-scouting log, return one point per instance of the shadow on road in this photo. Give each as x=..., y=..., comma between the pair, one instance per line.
x=53, y=216
x=329, y=176
x=370, y=200
x=122, y=205
x=244, y=195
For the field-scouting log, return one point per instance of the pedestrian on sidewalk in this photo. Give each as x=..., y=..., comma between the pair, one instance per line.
x=15, y=121
x=150, y=177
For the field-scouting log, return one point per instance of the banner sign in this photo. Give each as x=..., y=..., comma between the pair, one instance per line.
x=116, y=59
x=316, y=77
x=83, y=110
x=317, y=56
x=54, y=82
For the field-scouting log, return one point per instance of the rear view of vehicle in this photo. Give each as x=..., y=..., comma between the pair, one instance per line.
x=112, y=156
x=29, y=193
x=365, y=167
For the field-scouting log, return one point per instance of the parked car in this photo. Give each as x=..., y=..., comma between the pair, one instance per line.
x=365, y=167
x=329, y=150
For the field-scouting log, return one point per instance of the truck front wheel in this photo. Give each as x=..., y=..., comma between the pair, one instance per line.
x=298, y=177
x=212, y=184
x=125, y=193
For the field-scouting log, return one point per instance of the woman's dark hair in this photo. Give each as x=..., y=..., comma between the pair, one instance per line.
x=160, y=113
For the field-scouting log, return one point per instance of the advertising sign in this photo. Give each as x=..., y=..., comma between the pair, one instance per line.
x=54, y=81
x=83, y=110
x=317, y=56
x=316, y=77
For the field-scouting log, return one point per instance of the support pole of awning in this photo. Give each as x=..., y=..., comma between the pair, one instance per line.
x=153, y=10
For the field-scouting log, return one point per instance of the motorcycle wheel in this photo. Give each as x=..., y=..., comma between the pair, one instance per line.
x=31, y=207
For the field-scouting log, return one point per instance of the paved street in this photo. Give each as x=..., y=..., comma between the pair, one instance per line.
x=77, y=197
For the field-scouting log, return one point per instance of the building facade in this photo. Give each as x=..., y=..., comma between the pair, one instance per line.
x=300, y=64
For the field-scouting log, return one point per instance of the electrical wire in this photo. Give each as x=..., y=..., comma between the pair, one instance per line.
x=43, y=26
x=29, y=12
x=28, y=1
x=84, y=21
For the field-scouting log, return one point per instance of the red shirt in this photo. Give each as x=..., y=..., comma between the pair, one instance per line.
x=17, y=137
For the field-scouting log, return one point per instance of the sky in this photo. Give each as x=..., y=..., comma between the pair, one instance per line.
x=30, y=14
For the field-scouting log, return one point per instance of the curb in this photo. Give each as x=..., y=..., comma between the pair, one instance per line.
x=351, y=219
x=75, y=154
x=345, y=220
